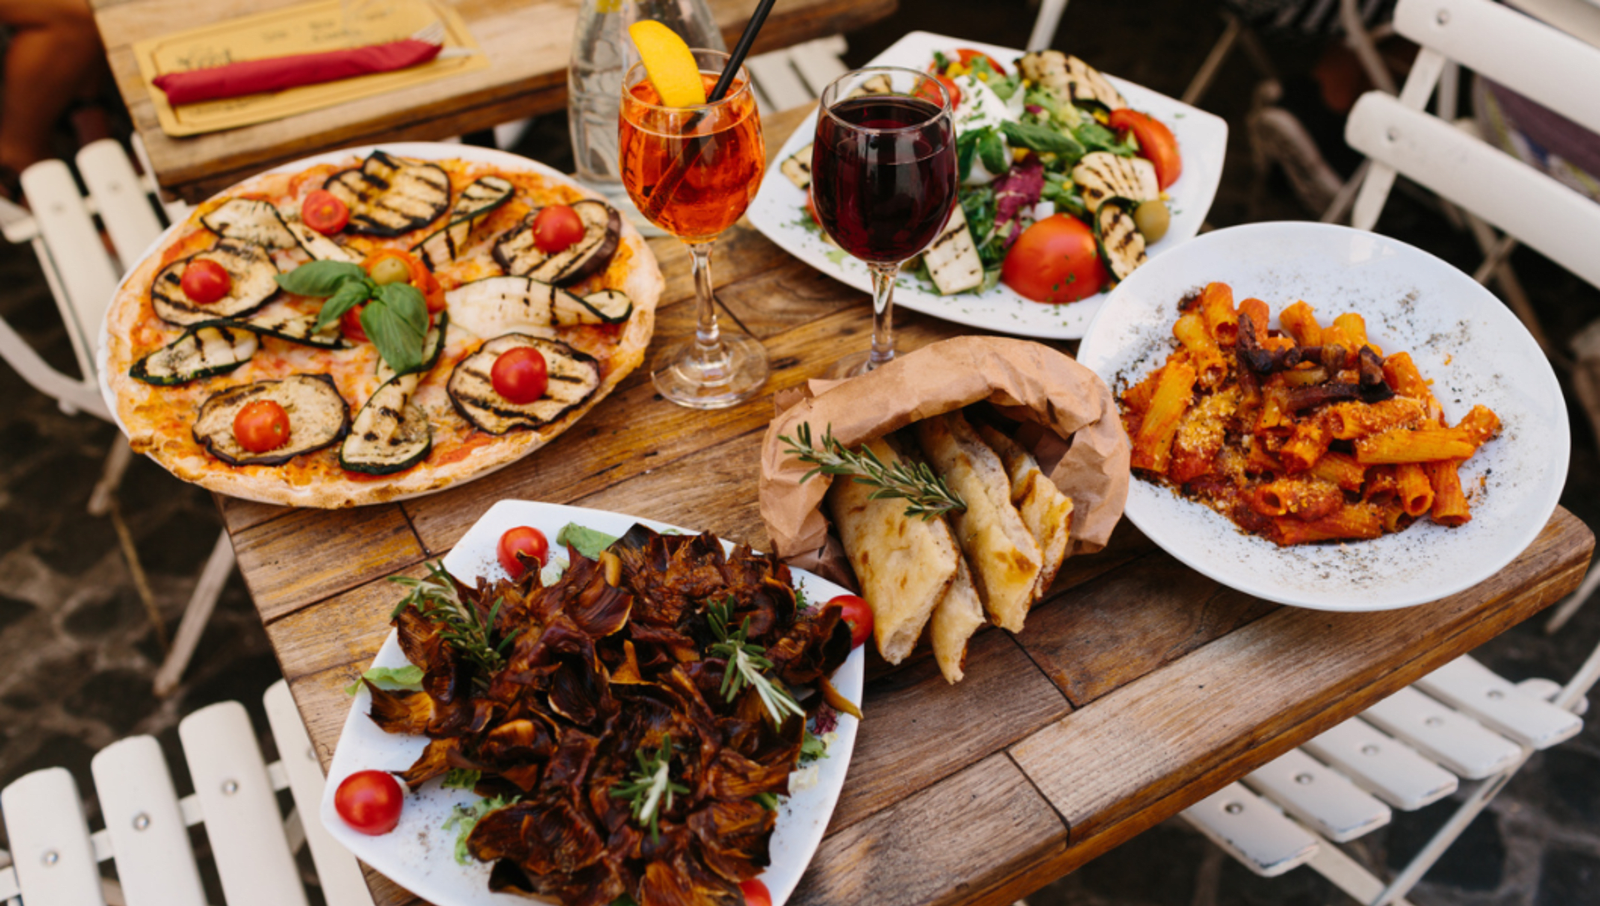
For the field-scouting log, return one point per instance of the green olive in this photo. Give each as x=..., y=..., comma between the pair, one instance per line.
x=1151, y=218
x=393, y=270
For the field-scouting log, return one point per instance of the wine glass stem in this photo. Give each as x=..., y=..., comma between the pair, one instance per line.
x=883, y=277
x=713, y=356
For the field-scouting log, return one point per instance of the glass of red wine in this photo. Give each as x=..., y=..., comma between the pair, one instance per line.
x=883, y=181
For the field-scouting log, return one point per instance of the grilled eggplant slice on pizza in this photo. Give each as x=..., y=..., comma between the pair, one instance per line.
x=391, y=196
x=390, y=433
x=285, y=322
x=250, y=271
x=318, y=246
x=250, y=220
x=475, y=201
x=1121, y=243
x=519, y=256
x=574, y=377
x=318, y=417
x=1101, y=175
x=501, y=305
x=201, y=352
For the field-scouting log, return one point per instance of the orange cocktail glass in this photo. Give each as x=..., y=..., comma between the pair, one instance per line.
x=692, y=171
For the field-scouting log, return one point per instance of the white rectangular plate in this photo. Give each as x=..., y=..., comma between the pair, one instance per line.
x=779, y=208
x=419, y=855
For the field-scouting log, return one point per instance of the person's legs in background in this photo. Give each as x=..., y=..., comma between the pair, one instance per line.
x=54, y=60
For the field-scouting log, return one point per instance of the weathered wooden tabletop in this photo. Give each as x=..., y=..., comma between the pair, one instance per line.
x=528, y=45
x=1136, y=690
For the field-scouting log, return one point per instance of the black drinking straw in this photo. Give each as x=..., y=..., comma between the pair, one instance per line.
x=741, y=50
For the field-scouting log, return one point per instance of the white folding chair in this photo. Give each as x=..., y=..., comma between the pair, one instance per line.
x=1493, y=189
x=56, y=860
x=82, y=276
x=796, y=75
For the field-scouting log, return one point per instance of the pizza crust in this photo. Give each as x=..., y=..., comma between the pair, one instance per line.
x=162, y=431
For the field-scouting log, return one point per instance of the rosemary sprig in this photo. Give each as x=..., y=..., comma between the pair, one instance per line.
x=650, y=787
x=468, y=632
x=745, y=663
x=925, y=493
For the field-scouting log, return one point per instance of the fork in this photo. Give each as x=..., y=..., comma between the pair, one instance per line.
x=434, y=33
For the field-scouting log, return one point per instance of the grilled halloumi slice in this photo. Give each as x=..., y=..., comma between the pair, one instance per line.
x=797, y=167
x=1101, y=175
x=952, y=260
x=1071, y=78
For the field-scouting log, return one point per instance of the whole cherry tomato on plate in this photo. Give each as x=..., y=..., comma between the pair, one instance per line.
x=1055, y=260
x=556, y=228
x=261, y=425
x=1156, y=143
x=369, y=801
x=858, y=614
x=324, y=212
x=520, y=544
x=755, y=893
x=205, y=281
x=521, y=375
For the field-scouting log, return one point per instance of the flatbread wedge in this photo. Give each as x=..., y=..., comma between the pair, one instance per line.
x=1044, y=509
x=904, y=564
x=955, y=618
x=1004, y=558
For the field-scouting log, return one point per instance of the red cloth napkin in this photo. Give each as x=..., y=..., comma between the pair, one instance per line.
x=278, y=73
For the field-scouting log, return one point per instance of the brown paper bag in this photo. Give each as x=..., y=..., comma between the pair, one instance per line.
x=1028, y=380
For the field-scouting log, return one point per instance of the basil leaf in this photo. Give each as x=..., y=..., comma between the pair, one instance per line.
x=992, y=151
x=1041, y=138
x=396, y=321
x=1096, y=137
x=351, y=292
x=966, y=147
x=318, y=278
x=407, y=677
x=586, y=541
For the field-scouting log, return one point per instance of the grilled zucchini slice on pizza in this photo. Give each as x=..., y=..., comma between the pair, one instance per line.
x=574, y=377
x=391, y=196
x=1101, y=175
x=519, y=256
x=1072, y=79
x=475, y=201
x=250, y=220
x=390, y=433
x=432, y=347
x=500, y=305
x=250, y=271
x=318, y=417
x=285, y=322
x=202, y=352
x=1121, y=243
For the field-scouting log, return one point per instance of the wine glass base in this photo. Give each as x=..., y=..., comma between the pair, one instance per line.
x=853, y=365
x=681, y=377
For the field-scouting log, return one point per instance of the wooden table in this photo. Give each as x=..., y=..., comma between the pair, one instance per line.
x=528, y=44
x=1136, y=690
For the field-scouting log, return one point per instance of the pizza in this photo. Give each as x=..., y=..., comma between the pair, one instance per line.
x=503, y=303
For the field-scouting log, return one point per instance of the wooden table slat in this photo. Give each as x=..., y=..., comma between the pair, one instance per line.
x=309, y=555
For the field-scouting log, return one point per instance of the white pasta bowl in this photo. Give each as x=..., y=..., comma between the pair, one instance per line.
x=1461, y=337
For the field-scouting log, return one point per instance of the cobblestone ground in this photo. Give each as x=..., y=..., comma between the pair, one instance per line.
x=79, y=654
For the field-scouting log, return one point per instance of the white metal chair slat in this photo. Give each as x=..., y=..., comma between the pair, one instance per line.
x=1449, y=737
x=1245, y=826
x=1470, y=687
x=1349, y=876
x=1518, y=199
x=1318, y=796
x=818, y=62
x=777, y=82
x=147, y=835
x=90, y=278
x=120, y=198
x=241, y=813
x=1382, y=765
x=342, y=882
x=50, y=847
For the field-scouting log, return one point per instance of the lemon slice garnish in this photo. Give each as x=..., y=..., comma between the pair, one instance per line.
x=669, y=64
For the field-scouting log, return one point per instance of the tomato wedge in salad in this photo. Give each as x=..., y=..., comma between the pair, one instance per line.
x=1156, y=143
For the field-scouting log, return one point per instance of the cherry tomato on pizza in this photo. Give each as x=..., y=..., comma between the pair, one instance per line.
x=556, y=228
x=521, y=375
x=324, y=212
x=858, y=614
x=261, y=425
x=370, y=802
x=350, y=325
x=205, y=281
x=1156, y=143
x=1055, y=260
x=520, y=546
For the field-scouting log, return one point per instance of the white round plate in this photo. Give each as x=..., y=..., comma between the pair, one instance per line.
x=1461, y=337
x=416, y=150
x=779, y=209
x=419, y=854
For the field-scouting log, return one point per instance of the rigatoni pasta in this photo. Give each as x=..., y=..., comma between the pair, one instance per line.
x=1303, y=433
